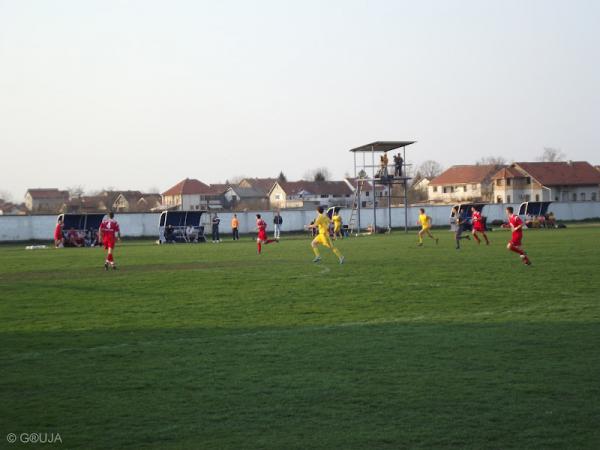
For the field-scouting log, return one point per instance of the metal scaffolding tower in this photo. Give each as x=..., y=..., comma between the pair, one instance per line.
x=379, y=176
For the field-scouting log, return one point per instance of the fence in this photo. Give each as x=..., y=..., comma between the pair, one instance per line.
x=25, y=228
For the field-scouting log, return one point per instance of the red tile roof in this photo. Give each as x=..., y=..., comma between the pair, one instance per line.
x=464, y=175
x=189, y=186
x=508, y=172
x=567, y=173
x=262, y=184
x=48, y=193
x=335, y=188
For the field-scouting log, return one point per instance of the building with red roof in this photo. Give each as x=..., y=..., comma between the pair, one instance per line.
x=191, y=194
x=462, y=183
x=564, y=181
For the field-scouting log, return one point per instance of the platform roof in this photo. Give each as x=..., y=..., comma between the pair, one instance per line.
x=382, y=146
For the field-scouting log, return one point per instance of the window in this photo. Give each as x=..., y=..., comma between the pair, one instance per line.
x=465, y=188
x=574, y=197
x=594, y=197
x=582, y=196
x=367, y=193
x=444, y=190
x=435, y=189
x=277, y=196
x=473, y=187
x=508, y=199
x=498, y=199
x=537, y=197
x=324, y=195
x=508, y=181
x=498, y=182
x=451, y=188
x=527, y=197
x=528, y=180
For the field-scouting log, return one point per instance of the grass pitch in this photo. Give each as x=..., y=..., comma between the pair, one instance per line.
x=211, y=346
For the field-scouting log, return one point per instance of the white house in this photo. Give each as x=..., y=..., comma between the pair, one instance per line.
x=192, y=194
x=567, y=181
x=462, y=183
x=303, y=194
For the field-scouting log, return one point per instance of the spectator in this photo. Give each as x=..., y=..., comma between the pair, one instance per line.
x=216, y=238
x=190, y=234
x=277, y=221
x=59, y=240
x=551, y=221
x=169, y=234
x=235, y=228
x=74, y=238
x=398, y=161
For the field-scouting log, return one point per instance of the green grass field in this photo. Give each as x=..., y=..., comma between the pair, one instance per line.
x=211, y=346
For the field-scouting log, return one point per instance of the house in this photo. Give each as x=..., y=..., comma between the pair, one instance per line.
x=366, y=193
x=45, y=201
x=12, y=209
x=462, y=183
x=192, y=194
x=421, y=184
x=243, y=198
x=565, y=181
x=135, y=201
x=304, y=194
x=263, y=185
x=86, y=204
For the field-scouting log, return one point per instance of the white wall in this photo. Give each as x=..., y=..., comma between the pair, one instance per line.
x=24, y=228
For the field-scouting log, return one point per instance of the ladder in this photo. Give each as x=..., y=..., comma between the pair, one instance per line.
x=352, y=223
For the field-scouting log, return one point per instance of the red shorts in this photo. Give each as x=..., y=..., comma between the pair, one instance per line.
x=262, y=235
x=478, y=226
x=58, y=237
x=109, y=242
x=516, y=239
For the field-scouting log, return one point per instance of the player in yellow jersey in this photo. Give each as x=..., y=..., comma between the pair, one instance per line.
x=322, y=222
x=425, y=222
x=337, y=225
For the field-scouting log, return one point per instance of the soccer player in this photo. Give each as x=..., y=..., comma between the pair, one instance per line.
x=515, y=245
x=337, y=225
x=425, y=222
x=459, y=223
x=59, y=240
x=262, y=238
x=322, y=223
x=478, y=226
x=109, y=229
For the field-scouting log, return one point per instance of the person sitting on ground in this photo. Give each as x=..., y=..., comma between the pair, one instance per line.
x=74, y=238
x=551, y=221
x=169, y=234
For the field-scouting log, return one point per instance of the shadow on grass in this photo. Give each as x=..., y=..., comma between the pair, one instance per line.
x=508, y=385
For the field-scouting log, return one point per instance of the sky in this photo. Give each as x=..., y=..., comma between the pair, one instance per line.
x=141, y=94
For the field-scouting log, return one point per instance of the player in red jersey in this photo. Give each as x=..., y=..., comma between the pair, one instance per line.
x=478, y=226
x=262, y=238
x=109, y=229
x=59, y=239
x=516, y=225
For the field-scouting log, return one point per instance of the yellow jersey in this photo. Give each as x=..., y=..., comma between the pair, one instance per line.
x=322, y=221
x=424, y=220
x=337, y=221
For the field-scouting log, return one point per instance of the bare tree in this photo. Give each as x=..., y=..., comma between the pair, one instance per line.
x=492, y=161
x=236, y=179
x=76, y=191
x=153, y=190
x=430, y=169
x=552, y=155
x=319, y=174
x=282, y=178
x=5, y=195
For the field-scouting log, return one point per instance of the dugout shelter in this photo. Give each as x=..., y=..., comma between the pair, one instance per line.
x=539, y=209
x=86, y=225
x=181, y=226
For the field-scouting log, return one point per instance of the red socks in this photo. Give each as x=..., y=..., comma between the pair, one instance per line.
x=259, y=245
x=516, y=250
x=109, y=257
